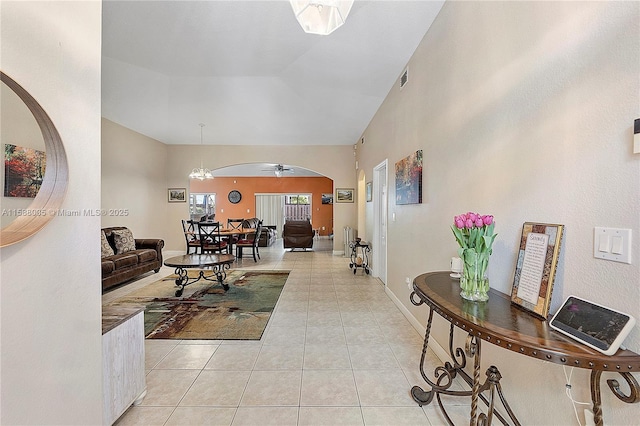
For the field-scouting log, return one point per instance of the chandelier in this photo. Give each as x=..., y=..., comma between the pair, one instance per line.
x=321, y=16
x=200, y=173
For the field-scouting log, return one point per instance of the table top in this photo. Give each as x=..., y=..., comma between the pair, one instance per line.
x=241, y=231
x=113, y=316
x=502, y=323
x=199, y=260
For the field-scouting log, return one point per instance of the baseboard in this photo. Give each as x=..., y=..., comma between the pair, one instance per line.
x=338, y=252
x=438, y=350
x=171, y=253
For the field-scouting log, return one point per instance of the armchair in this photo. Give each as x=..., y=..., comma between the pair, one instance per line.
x=297, y=234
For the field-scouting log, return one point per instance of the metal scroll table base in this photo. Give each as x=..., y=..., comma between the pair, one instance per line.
x=219, y=275
x=364, y=259
x=444, y=376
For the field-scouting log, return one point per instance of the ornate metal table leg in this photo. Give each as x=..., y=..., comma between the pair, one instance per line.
x=444, y=375
x=419, y=395
x=472, y=348
x=221, y=274
x=633, y=397
x=181, y=281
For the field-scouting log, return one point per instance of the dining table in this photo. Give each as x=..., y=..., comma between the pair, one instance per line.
x=239, y=232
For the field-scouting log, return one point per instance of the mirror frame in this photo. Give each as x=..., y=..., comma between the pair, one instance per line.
x=56, y=176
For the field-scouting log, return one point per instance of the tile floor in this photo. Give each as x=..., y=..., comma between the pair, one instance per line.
x=337, y=351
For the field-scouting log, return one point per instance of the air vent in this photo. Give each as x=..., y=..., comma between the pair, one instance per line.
x=405, y=78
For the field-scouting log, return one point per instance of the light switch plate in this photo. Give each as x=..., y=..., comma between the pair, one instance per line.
x=615, y=242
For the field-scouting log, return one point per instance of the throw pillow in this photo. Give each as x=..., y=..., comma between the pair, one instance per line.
x=104, y=246
x=123, y=238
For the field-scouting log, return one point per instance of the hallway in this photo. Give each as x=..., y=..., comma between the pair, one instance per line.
x=336, y=351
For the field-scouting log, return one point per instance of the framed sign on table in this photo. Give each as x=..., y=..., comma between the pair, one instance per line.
x=536, y=266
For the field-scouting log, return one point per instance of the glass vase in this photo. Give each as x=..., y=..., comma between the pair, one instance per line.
x=474, y=284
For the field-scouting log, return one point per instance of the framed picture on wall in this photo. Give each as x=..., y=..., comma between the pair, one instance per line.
x=369, y=191
x=177, y=195
x=409, y=179
x=344, y=195
x=536, y=266
x=327, y=198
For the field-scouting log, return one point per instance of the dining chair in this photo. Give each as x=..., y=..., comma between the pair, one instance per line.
x=234, y=224
x=250, y=243
x=191, y=236
x=210, y=239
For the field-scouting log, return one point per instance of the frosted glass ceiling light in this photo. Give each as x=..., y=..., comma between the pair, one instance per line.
x=200, y=173
x=321, y=16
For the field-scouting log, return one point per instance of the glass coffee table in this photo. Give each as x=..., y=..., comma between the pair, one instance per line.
x=218, y=263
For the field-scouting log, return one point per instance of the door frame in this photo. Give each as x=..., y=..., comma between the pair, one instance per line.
x=380, y=181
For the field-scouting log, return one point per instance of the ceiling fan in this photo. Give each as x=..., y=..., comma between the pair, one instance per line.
x=279, y=170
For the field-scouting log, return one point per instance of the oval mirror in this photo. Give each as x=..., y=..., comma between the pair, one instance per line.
x=29, y=219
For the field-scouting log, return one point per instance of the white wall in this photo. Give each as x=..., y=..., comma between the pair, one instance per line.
x=524, y=110
x=134, y=192
x=50, y=365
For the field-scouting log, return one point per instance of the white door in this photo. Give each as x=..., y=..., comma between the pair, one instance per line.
x=380, y=221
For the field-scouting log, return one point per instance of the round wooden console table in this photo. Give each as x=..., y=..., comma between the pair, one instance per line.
x=503, y=324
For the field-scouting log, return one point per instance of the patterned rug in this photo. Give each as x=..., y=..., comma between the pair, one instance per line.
x=205, y=311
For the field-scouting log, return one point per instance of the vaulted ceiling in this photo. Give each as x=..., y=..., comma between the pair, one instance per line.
x=248, y=71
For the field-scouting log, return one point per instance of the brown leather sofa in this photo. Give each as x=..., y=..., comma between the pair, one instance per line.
x=269, y=233
x=297, y=234
x=118, y=268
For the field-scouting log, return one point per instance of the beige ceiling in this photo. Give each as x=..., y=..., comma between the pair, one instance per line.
x=249, y=73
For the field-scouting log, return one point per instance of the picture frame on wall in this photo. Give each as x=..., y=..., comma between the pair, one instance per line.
x=536, y=266
x=344, y=195
x=369, y=189
x=327, y=198
x=409, y=179
x=177, y=195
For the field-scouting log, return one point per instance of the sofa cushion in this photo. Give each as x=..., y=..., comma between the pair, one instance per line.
x=125, y=259
x=146, y=255
x=107, y=267
x=123, y=240
x=105, y=248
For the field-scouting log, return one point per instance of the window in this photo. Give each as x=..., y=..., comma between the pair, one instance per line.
x=297, y=199
x=201, y=204
x=297, y=207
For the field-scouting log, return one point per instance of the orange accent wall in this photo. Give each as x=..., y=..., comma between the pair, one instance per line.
x=321, y=214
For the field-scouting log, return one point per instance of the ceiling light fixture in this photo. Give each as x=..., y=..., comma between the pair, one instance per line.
x=321, y=16
x=278, y=170
x=200, y=173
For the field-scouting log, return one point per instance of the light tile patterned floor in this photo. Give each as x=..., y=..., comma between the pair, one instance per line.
x=336, y=351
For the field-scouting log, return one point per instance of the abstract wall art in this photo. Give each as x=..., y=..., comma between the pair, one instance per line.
x=409, y=179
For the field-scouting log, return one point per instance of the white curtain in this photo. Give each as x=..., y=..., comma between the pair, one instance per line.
x=270, y=208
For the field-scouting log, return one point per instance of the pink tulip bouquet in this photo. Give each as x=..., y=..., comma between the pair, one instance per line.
x=474, y=234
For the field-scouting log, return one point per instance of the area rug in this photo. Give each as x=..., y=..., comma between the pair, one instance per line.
x=206, y=311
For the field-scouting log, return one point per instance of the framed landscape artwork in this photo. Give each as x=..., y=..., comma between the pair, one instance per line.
x=23, y=171
x=409, y=179
x=344, y=195
x=177, y=195
x=536, y=266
